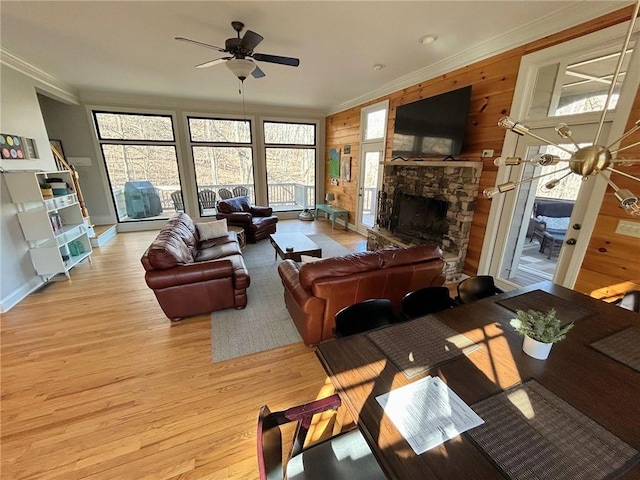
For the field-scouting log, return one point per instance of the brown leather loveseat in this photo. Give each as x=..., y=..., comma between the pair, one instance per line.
x=258, y=222
x=315, y=292
x=191, y=277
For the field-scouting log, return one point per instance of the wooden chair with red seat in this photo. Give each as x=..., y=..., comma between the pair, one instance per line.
x=344, y=456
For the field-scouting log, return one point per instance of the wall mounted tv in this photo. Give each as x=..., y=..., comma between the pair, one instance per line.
x=433, y=127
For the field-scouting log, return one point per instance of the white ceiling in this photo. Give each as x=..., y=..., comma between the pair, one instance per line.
x=129, y=46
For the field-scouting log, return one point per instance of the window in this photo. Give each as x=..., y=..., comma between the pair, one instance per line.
x=374, y=121
x=139, y=152
x=291, y=153
x=578, y=84
x=223, y=160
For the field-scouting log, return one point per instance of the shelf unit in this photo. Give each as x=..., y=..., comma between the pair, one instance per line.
x=53, y=225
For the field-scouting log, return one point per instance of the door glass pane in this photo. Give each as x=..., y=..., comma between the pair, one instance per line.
x=533, y=245
x=289, y=133
x=125, y=126
x=142, y=179
x=370, y=188
x=222, y=168
x=375, y=125
x=291, y=178
x=215, y=130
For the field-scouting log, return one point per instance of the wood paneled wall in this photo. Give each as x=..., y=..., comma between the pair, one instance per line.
x=611, y=265
x=493, y=81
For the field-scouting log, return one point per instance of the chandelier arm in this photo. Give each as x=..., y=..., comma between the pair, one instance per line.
x=538, y=137
x=630, y=132
x=624, y=148
x=624, y=174
x=529, y=180
x=614, y=80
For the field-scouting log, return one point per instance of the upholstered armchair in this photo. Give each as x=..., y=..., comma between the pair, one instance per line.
x=258, y=222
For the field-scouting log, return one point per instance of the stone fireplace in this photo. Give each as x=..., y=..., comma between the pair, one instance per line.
x=454, y=182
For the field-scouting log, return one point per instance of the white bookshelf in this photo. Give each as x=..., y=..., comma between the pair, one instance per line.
x=52, y=225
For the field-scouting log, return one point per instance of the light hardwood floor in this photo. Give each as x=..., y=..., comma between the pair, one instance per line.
x=97, y=383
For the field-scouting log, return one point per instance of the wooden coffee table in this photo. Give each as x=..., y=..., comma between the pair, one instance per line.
x=292, y=245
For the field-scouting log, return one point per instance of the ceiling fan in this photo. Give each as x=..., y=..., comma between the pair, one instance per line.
x=241, y=50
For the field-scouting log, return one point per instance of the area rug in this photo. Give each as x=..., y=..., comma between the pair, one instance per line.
x=265, y=323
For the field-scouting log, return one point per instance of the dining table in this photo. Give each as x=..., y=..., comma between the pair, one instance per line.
x=587, y=390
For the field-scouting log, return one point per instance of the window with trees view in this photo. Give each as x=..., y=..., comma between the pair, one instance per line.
x=139, y=152
x=291, y=152
x=223, y=160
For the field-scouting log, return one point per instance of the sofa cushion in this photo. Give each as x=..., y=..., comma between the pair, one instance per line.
x=176, y=244
x=396, y=257
x=339, y=267
x=209, y=230
x=555, y=224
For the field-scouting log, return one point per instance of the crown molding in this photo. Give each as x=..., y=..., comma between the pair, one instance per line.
x=45, y=81
x=544, y=26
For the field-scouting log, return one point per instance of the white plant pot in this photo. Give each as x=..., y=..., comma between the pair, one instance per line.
x=536, y=349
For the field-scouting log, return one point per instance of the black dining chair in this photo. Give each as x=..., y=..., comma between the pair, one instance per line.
x=425, y=301
x=364, y=316
x=475, y=288
x=346, y=455
x=630, y=301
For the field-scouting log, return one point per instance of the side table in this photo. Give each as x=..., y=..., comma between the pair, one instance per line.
x=241, y=235
x=333, y=212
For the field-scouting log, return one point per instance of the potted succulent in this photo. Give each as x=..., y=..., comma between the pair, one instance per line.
x=541, y=330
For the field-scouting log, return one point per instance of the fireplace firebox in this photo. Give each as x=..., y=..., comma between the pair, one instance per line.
x=418, y=217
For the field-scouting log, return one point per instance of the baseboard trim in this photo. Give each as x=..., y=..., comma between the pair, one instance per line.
x=15, y=297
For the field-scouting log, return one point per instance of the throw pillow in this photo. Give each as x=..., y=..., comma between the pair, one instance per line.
x=215, y=229
x=309, y=259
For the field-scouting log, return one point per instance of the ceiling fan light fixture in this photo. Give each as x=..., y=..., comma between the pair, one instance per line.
x=241, y=67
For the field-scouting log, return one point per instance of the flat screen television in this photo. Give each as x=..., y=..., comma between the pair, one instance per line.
x=433, y=127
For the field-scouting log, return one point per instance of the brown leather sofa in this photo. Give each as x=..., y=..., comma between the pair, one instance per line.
x=258, y=222
x=191, y=277
x=315, y=292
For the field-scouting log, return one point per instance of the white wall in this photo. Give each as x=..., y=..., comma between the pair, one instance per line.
x=20, y=115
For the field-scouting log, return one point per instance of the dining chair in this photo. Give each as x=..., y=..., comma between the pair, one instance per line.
x=364, y=316
x=344, y=456
x=475, y=288
x=630, y=301
x=425, y=301
x=207, y=199
x=176, y=198
x=225, y=193
x=240, y=192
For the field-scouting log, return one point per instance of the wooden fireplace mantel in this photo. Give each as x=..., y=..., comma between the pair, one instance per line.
x=433, y=163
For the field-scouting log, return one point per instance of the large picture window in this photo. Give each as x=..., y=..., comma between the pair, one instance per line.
x=139, y=152
x=223, y=160
x=291, y=154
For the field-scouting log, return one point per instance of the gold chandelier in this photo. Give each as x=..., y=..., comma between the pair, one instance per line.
x=586, y=161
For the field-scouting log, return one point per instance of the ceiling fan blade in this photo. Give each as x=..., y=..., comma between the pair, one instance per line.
x=263, y=57
x=188, y=40
x=257, y=73
x=250, y=40
x=211, y=63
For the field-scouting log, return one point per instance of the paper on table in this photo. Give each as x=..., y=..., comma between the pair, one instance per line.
x=428, y=413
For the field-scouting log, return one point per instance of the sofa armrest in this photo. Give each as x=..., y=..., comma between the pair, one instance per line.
x=289, y=272
x=236, y=218
x=261, y=211
x=190, y=273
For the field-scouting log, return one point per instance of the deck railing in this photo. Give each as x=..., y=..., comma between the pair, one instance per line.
x=281, y=195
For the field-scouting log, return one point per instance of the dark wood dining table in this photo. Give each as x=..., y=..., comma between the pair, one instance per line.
x=600, y=387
